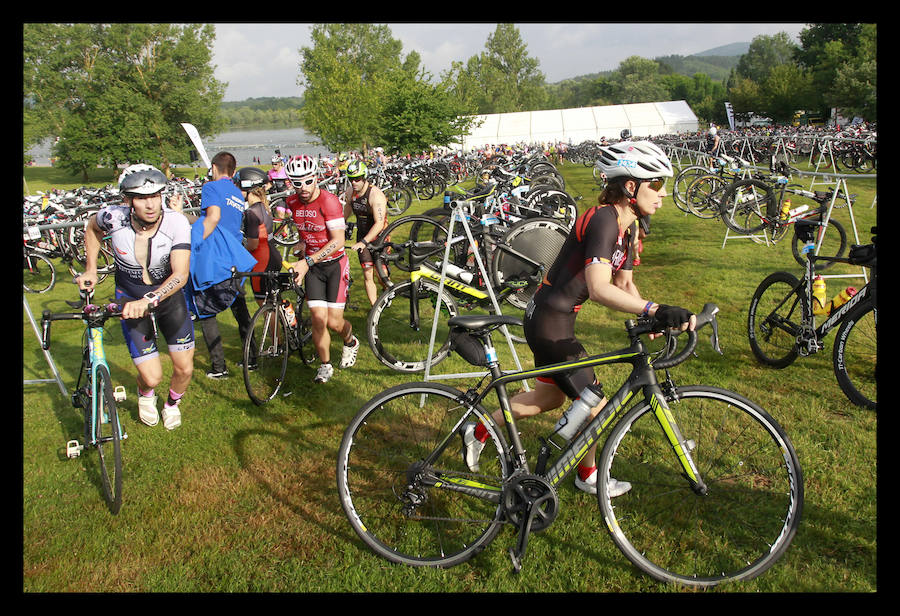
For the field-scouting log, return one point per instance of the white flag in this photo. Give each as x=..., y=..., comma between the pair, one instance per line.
x=191, y=130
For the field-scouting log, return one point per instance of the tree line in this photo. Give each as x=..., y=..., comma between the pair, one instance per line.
x=116, y=93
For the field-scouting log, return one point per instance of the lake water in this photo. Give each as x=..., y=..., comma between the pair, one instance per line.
x=246, y=145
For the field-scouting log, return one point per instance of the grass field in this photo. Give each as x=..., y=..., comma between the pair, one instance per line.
x=243, y=499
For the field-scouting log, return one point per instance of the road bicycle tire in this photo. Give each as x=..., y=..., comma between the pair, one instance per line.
x=106, y=264
x=775, y=319
x=833, y=245
x=308, y=353
x=394, y=494
x=746, y=205
x=855, y=355
x=266, y=351
x=539, y=239
x=109, y=440
x=704, y=196
x=399, y=198
x=395, y=340
x=735, y=531
x=553, y=203
x=682, y=182
x=284, y=230
x=38, y=273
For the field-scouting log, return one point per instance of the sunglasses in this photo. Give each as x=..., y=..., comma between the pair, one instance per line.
x=657, y=183
x=306, y=182
x=358, y=178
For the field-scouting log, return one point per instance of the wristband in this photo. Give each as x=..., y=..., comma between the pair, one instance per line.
x=646, y=311
x=153, y=298
x=310, y=261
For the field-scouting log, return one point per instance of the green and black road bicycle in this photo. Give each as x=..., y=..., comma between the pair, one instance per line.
x=782, y=326
x=717, y=489
x=97, y=397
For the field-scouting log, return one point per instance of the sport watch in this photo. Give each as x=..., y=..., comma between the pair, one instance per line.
x=310, y=261
x=153, y=298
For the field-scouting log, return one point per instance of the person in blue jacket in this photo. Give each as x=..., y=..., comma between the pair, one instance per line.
x=222, y=209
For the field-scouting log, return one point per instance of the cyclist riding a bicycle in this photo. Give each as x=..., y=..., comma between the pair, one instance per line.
x=368, y=203
x=152, y=248
x=325, y=270
x=594, y=263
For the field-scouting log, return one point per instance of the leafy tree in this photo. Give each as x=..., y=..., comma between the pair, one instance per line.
x=123, y=90
x=765, y=53
x=348, y=73
x=638, y=80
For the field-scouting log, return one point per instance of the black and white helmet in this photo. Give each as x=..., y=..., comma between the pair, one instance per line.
x=640, y=160
x=142, y=180
x=249, y=178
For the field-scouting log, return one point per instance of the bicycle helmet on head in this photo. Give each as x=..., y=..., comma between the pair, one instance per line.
x=142, y=180
x=300, y=167
x=356, y=168
x=638, y=160
x=249, y=178
x=625, y=134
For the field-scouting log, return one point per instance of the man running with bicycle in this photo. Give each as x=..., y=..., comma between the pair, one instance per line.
x=325, y=270
x=152, y=248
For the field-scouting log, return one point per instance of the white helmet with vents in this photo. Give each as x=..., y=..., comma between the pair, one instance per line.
x=299, y=167
x=141, y=180
x=640, y=160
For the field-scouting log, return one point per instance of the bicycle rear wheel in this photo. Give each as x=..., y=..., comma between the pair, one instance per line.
x=284, y=232
x=746, y=205
x=399, y=326
x=38, y=274
x=855, y=355
x=538, y=239
x=109, y=440
x=403, y=483
x=266, y=352
x=739, y=527
x=775, y=319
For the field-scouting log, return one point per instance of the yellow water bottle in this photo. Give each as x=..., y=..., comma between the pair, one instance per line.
x=820, y=296
x=786, y=209
x=841, y=298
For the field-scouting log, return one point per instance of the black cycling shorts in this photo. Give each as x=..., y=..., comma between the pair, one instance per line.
x=551, y=337
x=327, y=283
x=173, y=321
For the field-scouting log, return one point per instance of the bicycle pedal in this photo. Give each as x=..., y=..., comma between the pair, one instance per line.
x=73, y=449
x=119, y=393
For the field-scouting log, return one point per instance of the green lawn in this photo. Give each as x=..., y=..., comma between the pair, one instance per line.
x=243, y=498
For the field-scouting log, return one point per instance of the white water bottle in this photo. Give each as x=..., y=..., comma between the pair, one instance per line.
x=573, y=419
x=457, y=272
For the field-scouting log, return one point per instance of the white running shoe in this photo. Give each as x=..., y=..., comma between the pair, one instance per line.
x=349, y=353
x=325, y=372
x=471, y=447
x=589, y=485
x=171, y=416
x=147, y=409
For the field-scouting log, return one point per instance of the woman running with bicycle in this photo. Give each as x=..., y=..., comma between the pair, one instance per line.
x=594, y=263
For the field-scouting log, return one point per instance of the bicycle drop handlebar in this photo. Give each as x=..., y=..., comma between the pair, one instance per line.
x=650, y=325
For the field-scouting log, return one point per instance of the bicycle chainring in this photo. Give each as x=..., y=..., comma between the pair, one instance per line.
x=527, y=493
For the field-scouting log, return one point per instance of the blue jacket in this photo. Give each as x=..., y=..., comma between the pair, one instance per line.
x=210, y=288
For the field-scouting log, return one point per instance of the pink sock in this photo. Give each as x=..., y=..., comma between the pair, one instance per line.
x=146, y=394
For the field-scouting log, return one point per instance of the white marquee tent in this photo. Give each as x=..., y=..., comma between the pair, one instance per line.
x=581, y=124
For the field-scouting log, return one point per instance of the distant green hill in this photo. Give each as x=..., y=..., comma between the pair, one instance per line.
x=732, y=49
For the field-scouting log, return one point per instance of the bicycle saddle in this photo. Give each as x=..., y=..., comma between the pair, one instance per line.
x=476, y=322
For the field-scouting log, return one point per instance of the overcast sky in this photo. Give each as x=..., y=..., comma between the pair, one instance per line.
x=262, y=59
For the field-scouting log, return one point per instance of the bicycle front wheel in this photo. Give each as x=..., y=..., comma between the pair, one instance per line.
x=746, y=206
x=734, y=531
x=266, y=352
x=775, y=319
x=855, y=355
x=108, y=435
x=400, y=323
x=403, y=483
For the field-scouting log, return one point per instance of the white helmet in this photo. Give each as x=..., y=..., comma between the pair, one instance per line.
x=712, y=130
x=142, y=179
x=300, y=167
x=640, y=160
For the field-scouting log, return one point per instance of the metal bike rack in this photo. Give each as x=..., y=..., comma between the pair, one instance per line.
x=459, y=211
x=56, y=378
